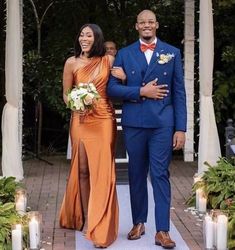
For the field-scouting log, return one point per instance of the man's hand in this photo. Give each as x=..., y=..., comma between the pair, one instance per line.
x=119, y=73
x=178, y=140
x=153, y=90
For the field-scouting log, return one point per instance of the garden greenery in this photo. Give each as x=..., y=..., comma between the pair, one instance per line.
x=8, y=214
x=218, y=184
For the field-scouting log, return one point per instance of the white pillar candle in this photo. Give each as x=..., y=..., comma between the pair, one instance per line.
x=34, y=233
x=198, y=194
x=21, y=204
x=215, y=232
x=202, y=204
x=222, y=228
x=16, y=236
x=209, y=232
x=196, y=178
x=20, y=201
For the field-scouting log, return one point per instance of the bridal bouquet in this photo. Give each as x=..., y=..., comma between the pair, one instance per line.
x=82, y=97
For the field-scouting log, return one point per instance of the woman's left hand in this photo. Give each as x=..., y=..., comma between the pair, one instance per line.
x=119, y=73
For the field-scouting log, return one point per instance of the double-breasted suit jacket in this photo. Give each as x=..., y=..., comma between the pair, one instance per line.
x=145, y=112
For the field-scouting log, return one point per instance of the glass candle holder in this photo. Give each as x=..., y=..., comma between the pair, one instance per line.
x=35, y=222
x=20, y=200
x=220, y=219
x=196, y=178
x=201, y=201
x=198, y=194
x=208, y=232
x=16, y=237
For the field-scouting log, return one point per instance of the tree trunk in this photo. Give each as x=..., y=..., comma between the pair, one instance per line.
x=39, y=107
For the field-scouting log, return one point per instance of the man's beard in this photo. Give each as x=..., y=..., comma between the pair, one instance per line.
x=147, y=38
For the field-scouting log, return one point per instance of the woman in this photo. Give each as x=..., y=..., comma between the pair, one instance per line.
x=90, y=201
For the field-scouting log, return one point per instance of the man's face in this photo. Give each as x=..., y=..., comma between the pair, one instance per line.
x=110, y=48
x=146, y=26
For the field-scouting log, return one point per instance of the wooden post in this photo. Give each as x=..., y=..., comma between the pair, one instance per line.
x=189, y=76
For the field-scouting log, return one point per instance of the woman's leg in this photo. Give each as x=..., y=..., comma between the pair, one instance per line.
x=84, y=183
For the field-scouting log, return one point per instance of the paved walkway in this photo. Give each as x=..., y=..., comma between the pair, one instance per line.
x=46, y=184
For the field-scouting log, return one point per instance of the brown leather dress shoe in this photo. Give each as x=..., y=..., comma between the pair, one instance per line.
x=136, y=232
x=163, y=239
x=98, y=246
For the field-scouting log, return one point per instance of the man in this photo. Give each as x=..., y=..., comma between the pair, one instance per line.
x=111, y=48
x=153, y=120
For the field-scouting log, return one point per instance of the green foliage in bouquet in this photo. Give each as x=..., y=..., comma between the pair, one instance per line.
x=8, y=187
x=9, y=217
x=218, y=184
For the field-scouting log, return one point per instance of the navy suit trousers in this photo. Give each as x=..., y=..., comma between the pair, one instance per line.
x=149, y=150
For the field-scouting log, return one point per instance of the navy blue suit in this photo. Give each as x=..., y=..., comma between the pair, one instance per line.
x=149, y=124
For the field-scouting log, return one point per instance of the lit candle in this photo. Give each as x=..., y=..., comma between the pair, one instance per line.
x=215, y=232
x=20, y=201
x=196, y=178
x=16, y=237
x=34, y=233
x=202, y=204
x=209, y=232
x=20, y=205
x=199, y=193
x=222, y=228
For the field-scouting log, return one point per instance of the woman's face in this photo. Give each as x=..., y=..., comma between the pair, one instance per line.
x=86, y=39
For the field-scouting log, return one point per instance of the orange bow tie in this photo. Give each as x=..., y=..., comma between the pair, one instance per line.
x=144, y=47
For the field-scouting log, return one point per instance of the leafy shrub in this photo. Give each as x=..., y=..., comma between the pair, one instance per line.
x=218, y=184
x=8, y=187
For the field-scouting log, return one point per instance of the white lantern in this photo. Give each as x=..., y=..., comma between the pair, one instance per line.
x=20, y=200
x=35, y=221
x=16, y=237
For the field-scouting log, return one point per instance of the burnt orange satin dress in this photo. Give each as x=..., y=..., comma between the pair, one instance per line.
x=97, y=132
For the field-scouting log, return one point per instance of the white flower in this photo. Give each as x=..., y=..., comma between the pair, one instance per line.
x=78, y=105
x=165, y=58
x=82, y=91
x=89, y=99
x=92, y=87
x=74, y=94
x=82, y=97
x=81, y=84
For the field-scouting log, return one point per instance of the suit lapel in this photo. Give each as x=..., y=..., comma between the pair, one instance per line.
x=153, y=62
x=140, y=56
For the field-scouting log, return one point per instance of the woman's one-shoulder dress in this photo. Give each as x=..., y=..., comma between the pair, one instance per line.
x=97, y=132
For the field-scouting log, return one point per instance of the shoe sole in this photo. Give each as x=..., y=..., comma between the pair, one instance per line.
x=136, y=238
x=166, y=247
x=97, y=246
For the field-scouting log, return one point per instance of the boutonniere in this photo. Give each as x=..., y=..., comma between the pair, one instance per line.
x=164, y=58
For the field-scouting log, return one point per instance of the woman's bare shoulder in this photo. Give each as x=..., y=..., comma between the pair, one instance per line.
x=72, y=63
x=71, y=60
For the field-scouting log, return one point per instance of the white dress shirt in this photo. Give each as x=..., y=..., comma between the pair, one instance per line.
x=148, y=53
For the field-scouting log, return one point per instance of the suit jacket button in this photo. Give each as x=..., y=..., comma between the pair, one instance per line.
x=143, y=98
x=143, y=84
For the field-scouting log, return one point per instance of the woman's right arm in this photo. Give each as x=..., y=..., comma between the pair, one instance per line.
x=67, y=77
